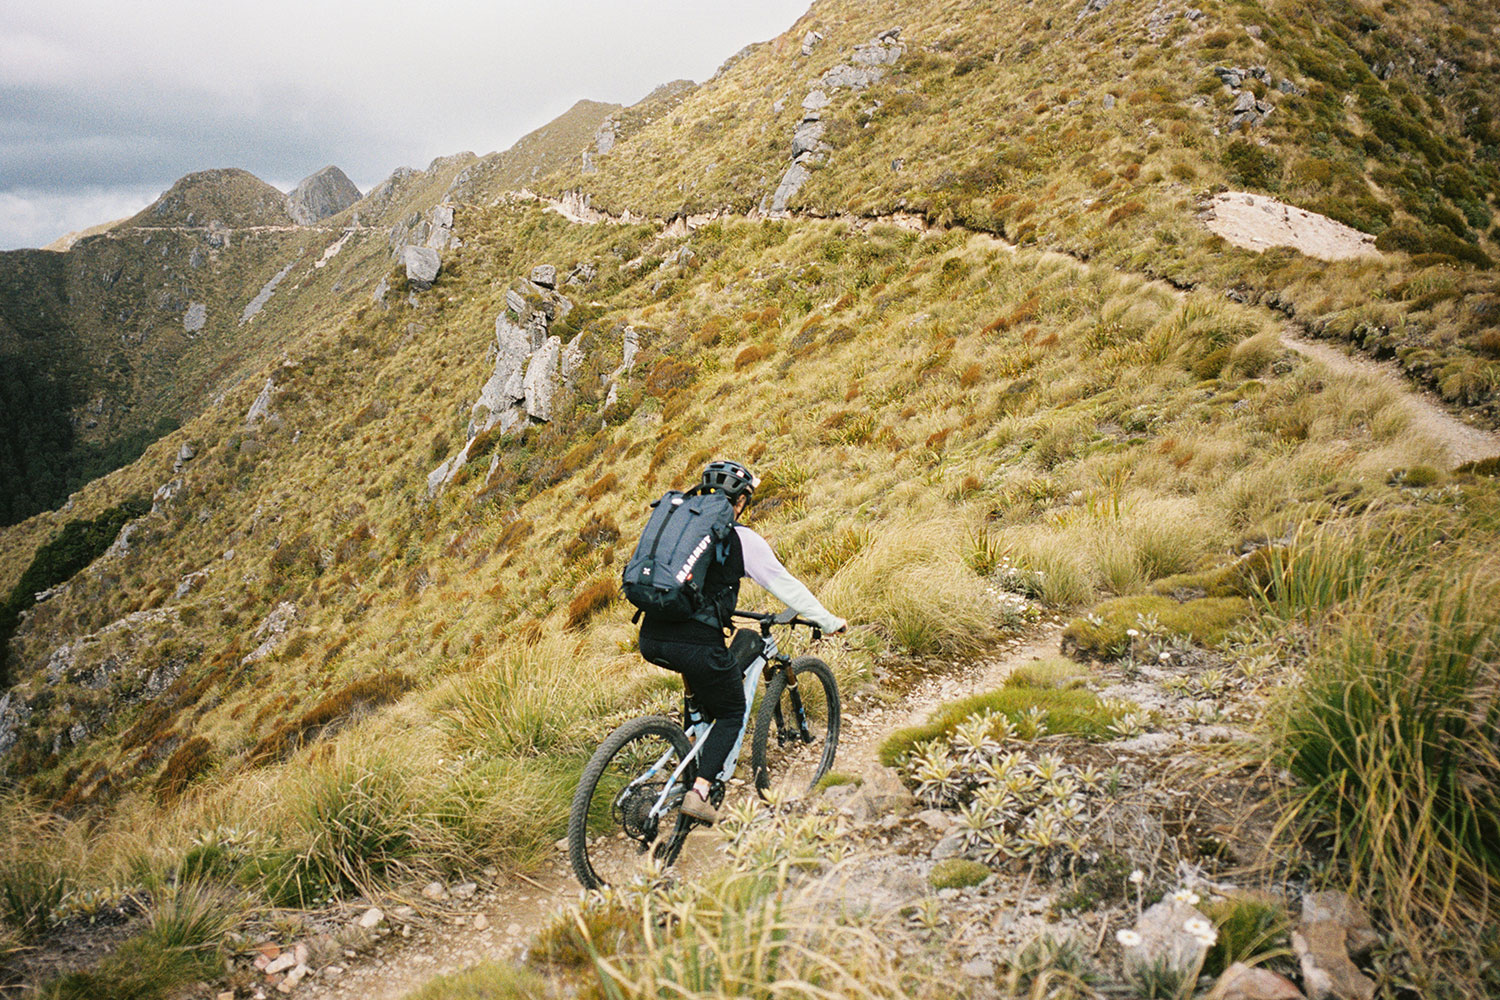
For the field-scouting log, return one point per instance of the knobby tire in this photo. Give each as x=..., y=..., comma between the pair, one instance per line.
x=769, y=756
x=590, y=798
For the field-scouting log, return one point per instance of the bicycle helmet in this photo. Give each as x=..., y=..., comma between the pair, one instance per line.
x=729, y=478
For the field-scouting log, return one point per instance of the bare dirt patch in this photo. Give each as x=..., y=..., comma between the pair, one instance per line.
x=1255, y=222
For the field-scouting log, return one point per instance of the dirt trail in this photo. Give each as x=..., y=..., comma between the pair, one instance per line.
x=1251, y=221
x=515, y=907
x=1463, y=442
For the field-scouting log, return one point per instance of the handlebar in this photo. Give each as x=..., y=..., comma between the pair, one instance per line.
x=786, y=617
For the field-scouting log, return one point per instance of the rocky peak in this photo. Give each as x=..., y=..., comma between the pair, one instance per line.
x=319, y=195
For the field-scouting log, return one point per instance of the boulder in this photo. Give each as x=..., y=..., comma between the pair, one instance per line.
x=572, y=360
x=791, y=182
x=1244, y=982
x=810, y=40
x=195, y=317
x=1244, y=102
x=1327, y=972
x=422, y=264
x=317, y=196
x=1342, y=909
x=815, y=100
x=544, y=275
x=808, y=136
x=515, y=302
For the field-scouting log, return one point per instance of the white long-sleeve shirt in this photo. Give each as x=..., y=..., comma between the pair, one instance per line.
x=762, y=566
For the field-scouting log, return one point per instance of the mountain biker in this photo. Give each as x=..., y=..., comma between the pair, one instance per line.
x=696, y=650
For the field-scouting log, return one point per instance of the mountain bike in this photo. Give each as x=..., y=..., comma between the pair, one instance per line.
x=626, y=812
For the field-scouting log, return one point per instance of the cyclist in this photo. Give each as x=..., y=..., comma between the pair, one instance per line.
x=710, y=671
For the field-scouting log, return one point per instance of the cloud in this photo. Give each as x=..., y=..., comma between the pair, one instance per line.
x=35, y=218
x=102, y=96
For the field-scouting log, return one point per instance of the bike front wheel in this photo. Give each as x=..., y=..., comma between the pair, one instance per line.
x=612, y=837
x=796, y=728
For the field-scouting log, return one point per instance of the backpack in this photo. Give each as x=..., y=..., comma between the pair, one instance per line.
x=685, y=536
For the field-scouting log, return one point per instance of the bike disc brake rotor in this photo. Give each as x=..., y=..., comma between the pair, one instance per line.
x=633, y=810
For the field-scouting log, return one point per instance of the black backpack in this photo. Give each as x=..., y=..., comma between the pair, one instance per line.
x=685, y=536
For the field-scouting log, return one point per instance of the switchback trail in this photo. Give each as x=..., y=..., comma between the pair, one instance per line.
x=1463, y=442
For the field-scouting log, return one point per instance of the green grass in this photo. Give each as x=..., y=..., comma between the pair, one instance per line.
x=1075, y=712
x=1102, y=634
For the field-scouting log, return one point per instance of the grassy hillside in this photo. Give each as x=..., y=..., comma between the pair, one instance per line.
x=1103, y=133
x=308, y=671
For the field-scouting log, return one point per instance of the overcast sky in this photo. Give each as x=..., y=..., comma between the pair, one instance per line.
x=103, y=105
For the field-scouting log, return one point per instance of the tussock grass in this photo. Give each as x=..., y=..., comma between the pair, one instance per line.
x=913, y=584
x=1396, y=739
x=527, y=699
x=183, y=943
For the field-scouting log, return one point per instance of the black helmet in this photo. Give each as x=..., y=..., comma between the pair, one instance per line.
x=729, y=478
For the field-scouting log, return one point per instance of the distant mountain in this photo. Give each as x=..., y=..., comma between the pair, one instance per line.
x=230, y=197
x=317, y=196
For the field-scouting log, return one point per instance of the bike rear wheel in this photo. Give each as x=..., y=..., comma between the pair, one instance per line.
x=796, y=729
x=611, y=837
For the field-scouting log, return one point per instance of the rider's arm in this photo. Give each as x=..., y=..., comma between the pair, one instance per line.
x=762, y=566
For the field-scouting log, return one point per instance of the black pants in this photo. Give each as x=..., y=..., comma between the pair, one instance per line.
x=715, y=676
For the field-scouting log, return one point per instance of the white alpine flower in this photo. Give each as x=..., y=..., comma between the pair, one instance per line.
x=1137, y=877
x=1187, y=896
x=1128, y=939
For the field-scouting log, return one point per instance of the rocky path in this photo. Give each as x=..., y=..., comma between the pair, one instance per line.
x=426, y=938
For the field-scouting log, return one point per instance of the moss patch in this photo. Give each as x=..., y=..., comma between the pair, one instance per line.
x=957, y=873
x=1075, y=711
x=1102, y=634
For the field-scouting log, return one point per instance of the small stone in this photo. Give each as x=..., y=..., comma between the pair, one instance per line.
x=1327, y=972
x=281, y=964
x=1109, y=101
x=935, y=819
x=513, y=929
x=1242, y=982
x=1345, y=911
x=296, y=975
x=481, y=922
x=301, y=952
x=333, y=972
x=371, y=917
x=561, y=844
x=226, y=995
x=434, y=891
x=465, y=890
x=978, y=968
x=951, y=846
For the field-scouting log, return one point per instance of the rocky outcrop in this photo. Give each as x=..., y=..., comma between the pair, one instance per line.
x=263, y=296
x=530, y=365
x=869, y=63
x=195, y=317
x=261, y=408
x=317, y=196
x=422, y=265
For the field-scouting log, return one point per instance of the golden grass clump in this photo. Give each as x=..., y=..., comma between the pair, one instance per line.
x=912, y=583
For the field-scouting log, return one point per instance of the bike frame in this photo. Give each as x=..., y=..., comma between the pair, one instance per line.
x=698, y=728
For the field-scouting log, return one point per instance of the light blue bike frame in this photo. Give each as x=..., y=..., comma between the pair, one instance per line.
x=700, y=729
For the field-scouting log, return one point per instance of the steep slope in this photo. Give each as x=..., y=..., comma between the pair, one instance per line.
x=326, y=667
x=1103, y=129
